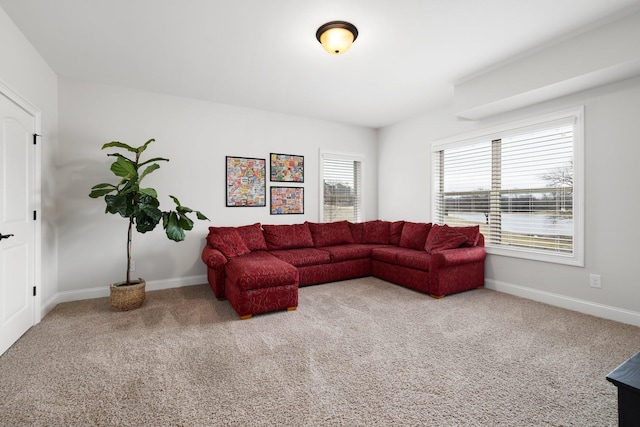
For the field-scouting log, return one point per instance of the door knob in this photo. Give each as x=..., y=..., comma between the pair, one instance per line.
x=5, y=236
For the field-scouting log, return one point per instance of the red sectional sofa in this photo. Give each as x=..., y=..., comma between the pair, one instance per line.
x=259, y=268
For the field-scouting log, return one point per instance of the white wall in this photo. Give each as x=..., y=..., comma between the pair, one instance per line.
x=196, y=136
x=26, y=73
x=562, y=68
x=612, y=129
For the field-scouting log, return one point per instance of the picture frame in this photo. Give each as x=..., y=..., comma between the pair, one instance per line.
x=246, y=182
x=287, y=201
x=286, y=167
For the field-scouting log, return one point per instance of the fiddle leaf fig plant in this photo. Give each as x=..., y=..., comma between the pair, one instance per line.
x=138, y=204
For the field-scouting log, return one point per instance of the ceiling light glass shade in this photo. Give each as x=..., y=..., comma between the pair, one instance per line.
x=337, y=37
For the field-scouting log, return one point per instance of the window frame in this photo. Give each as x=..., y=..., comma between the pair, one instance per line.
x=330, y=155
x=513, y=128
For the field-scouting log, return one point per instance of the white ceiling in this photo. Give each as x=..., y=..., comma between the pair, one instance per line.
x=263, y=53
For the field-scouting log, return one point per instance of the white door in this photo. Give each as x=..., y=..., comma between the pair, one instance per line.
x=17, y=163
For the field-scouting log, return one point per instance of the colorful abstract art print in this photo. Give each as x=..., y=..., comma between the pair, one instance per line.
x=246, y=181
x=287, y=168
x=287, y=200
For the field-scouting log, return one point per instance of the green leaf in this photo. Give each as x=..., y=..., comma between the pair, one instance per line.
x=148, y=200
x=172, y=227
x=130, y=186
x=147, y=220
x=143, y=147
x=201, y=216
x=124, y=168
x=148, y=215
x=183, y=210
x=155, y=159
x=148, y=170
x=103, y=185
x=101, y=192
x=175, y=200
x=185, y=222
x=120, y=145
x=122, y=204
x=149, y=192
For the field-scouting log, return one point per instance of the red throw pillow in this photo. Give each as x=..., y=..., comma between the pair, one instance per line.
x=472, y=232
x=395, y=232
x=376, y=232
x=228, y=241
x=414, y=235
x=442, y=237
x=252, y=237
x=357, y=229
x=287, y=236
x=330, y=233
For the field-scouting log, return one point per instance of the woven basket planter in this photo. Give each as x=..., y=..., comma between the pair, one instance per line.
x=126, y=297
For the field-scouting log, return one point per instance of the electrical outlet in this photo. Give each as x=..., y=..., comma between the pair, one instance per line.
x=595, y=281
x=132, y=266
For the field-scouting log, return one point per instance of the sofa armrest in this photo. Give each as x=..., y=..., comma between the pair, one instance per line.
x=213, y=258
x=451, y=257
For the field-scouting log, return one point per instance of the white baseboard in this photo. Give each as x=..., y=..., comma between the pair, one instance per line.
x=103, y=291
x=575, y=304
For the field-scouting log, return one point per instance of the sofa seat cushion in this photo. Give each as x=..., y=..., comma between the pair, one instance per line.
x=348, y=252
x=402, y=256
x=385, y=253
x=303, y=257
x=412, y=258
x=260, y=269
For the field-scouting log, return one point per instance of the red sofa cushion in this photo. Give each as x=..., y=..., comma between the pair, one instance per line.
x=303, y=257
x=287, y=236
x=376, y=232
x=228, y=241
x=253, y=237
x=330, y=233
x=356, y=228
x=414, y=235
x=442, y=237
x=395, y=232
x=348, y=252
x=472, y=232
x=260, y=270
x=419, y=260
x=387, y=254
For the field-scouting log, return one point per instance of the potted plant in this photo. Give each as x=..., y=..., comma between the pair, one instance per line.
x=140, y=206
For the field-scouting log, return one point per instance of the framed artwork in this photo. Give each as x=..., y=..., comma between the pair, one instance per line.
x=287, y=168
x=246, y=181
x=287, y=200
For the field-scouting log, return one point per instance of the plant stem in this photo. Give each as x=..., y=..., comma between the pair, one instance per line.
x=129, y=250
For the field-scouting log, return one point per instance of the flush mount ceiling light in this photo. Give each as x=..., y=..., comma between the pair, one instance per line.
x=336, y=37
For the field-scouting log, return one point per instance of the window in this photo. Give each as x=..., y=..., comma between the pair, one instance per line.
x=522, y=184
x=341, y=193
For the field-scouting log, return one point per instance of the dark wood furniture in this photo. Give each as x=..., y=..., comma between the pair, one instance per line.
x=627, y=378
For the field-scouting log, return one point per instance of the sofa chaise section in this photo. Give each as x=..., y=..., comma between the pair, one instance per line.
x=258, y=282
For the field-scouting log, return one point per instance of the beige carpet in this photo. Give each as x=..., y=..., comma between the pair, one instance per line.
x=360, y=352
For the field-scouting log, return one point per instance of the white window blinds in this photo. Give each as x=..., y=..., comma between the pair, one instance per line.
x=342, y=188
x=517, y=185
